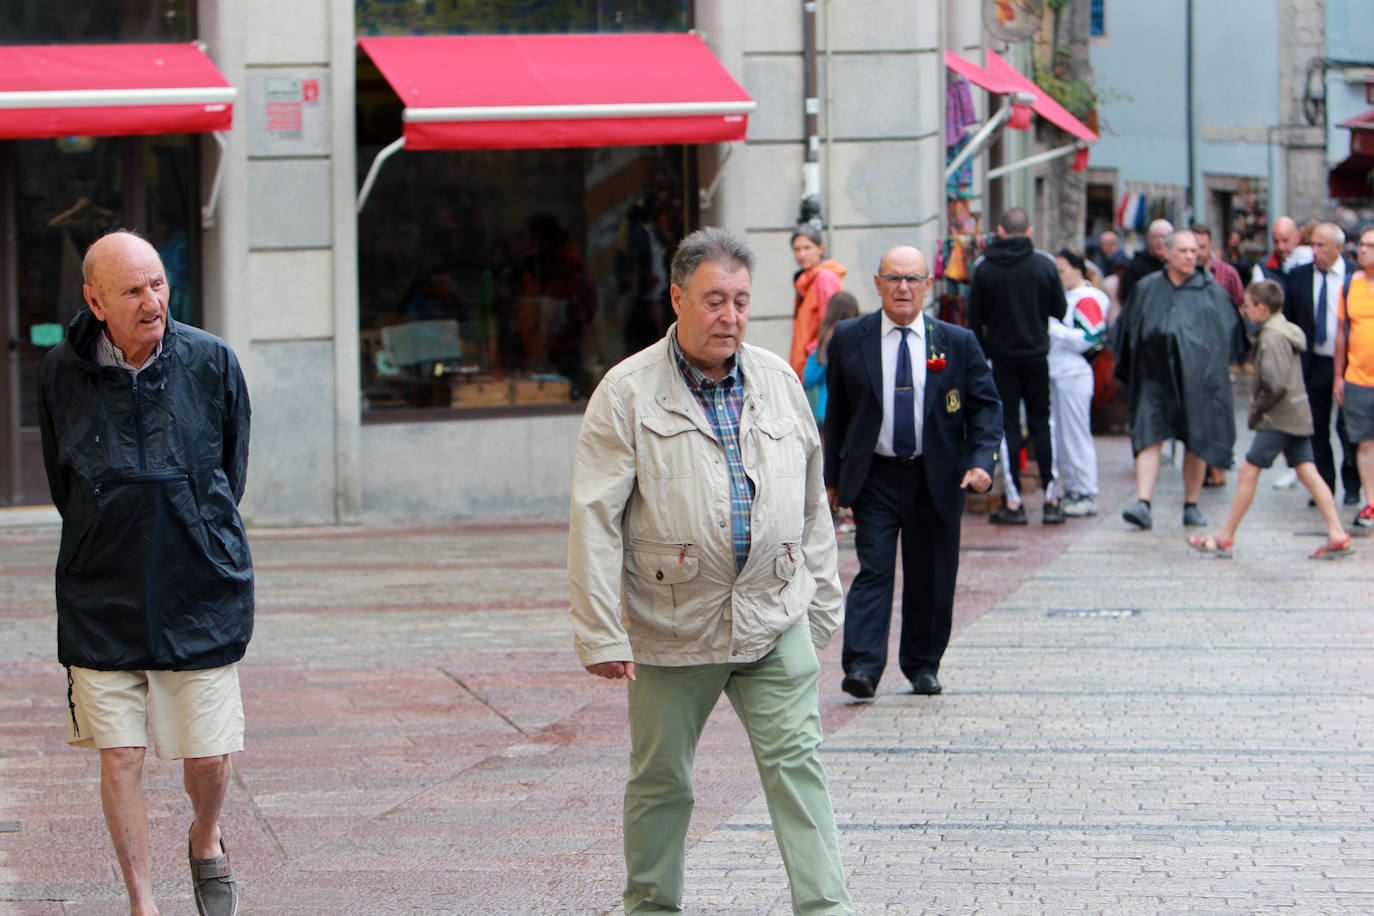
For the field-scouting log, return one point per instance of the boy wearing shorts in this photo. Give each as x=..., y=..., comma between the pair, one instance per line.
x=1282, y=420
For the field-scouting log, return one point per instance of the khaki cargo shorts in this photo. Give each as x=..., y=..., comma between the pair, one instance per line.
x=188, y=713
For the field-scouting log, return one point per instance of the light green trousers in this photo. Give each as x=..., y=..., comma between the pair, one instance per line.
x=776, y=699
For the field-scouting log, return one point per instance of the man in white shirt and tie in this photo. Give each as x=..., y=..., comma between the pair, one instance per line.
x=1311, y=300
x=912, y=421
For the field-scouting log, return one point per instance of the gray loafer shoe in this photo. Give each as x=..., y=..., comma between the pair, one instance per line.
x=213, y=882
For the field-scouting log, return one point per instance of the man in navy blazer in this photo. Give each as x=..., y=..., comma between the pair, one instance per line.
x=913, y=420
x=1328, y=272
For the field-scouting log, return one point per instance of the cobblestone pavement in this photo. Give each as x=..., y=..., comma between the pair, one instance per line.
x=1126, y=728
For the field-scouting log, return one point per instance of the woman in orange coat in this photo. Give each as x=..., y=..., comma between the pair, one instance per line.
x=816, y=281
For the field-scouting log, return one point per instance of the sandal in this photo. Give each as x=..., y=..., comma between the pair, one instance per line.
x=1332, y=549
x=1212, y=546
x=212, y=880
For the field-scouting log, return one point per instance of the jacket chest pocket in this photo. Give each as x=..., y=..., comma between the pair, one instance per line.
x=781, y=448
x=666, y=447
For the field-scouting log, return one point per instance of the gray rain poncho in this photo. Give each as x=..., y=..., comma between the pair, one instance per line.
x=1174, y=346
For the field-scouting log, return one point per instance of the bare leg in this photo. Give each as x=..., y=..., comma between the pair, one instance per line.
x=126, y=814
x=1246, y=482
x=1321, y=495
x=1147, y=462
x=207, y=782
x=1364, y=457
x=1194, y=471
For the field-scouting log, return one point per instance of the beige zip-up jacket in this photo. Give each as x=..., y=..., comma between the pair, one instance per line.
x=651, y=560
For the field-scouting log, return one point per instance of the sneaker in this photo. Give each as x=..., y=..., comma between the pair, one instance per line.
x=1193, y=517
x=1287, y=480
x=1138, y=514
x=1052, y=514
x=1003, y=515
x=1366, y=517
x=1080, y=507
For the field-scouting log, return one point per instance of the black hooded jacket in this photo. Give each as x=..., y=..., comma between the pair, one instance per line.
x=1014, y=294
x=147, y=471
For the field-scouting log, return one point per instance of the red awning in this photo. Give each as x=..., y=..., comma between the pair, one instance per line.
x=110, y=90
x=1350, y=179
x=541, y=91
x=1002, y=78
x=1044, y=106
x=1361, y=133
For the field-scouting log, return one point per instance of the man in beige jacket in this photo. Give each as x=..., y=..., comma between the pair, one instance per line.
x=702, y=560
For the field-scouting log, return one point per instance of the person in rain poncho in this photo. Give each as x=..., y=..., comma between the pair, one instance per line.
x=1174, y=344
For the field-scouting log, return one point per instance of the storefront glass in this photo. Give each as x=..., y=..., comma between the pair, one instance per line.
x=58, y=195
x=62, y=22
x=501, y=279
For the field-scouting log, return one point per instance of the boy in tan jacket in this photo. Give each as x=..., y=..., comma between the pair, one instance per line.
x=1282, y=420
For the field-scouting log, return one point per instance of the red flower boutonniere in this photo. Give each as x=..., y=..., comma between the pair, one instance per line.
x=935, y=363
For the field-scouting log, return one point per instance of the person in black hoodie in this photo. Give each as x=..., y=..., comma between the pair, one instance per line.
x=144, y=424
x=1015, y=292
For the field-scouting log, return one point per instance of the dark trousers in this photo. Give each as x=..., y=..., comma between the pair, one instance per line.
x=1029, y=382
x=895, y=501
x=1320, y=374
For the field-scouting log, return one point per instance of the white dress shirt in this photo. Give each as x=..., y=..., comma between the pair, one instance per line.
x=1334, y=278
x=916, y=345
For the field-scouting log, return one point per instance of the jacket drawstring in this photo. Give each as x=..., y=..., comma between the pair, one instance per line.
x=71, y=703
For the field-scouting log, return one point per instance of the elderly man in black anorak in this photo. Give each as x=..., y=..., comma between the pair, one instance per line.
x=145, y=425
x=1175, y=341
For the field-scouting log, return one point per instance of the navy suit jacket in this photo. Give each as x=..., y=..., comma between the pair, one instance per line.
x=1299, y=305
x=962, y=415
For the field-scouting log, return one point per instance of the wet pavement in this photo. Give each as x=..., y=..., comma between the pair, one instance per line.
x=1126, y=727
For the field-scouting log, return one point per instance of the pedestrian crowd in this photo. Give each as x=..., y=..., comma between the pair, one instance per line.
x=709, y=480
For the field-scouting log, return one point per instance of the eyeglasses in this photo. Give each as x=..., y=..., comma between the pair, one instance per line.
x=899, y=279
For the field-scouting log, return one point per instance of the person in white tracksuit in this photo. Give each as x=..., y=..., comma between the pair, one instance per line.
x=1079, y=332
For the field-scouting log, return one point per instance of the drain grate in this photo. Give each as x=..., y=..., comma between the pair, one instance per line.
x=1098, y=613
x=9, y=827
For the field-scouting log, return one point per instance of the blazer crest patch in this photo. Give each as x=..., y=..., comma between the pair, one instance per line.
x=952, y=401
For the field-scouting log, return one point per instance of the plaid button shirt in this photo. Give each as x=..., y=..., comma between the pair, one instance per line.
x=722, y=402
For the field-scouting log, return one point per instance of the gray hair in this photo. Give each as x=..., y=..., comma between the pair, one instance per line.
x=1334, y=234
x=1169, y=239
x=709, y=244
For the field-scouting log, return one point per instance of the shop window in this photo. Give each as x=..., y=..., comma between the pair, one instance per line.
x=69, y=192
x=514, y=277
x=503, y=279
x=39, y=22
x=498, y=17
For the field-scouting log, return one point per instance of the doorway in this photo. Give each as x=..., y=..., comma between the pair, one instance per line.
x=57, y=197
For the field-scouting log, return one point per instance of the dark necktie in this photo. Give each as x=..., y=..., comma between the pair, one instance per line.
x=904, y=403
x=1319, y=332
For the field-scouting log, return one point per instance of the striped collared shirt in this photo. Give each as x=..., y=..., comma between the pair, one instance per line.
x=722, y=403
x=107, y=354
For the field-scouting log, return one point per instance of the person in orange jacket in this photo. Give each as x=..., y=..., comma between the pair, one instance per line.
x=815, y=281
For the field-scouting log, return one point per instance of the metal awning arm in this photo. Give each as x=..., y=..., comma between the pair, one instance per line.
x=386, y=153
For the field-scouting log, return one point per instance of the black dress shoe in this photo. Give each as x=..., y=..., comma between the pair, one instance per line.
x=926, y=684
x=859, y=684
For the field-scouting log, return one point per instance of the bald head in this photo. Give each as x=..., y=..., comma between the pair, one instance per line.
x=1286, y=237
x=903, y=280
x=118, y=244
x=126, y=288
